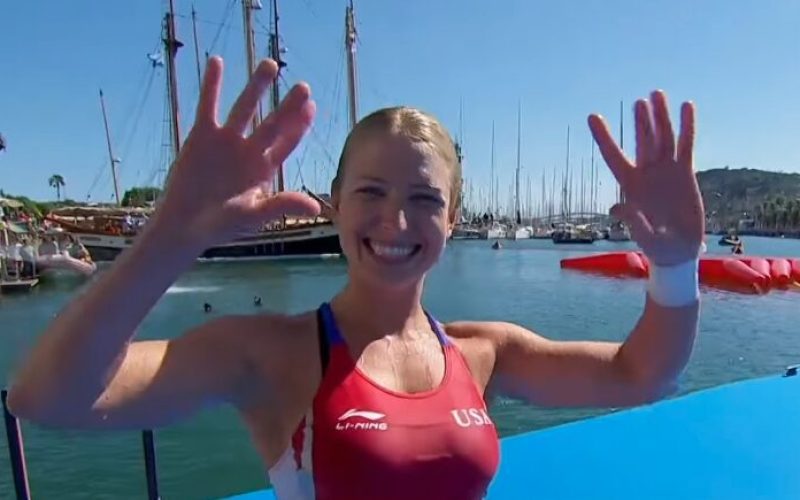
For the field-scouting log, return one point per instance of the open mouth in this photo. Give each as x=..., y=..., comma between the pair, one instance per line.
x=392, y=253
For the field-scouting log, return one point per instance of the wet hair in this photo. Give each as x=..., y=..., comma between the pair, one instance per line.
x=418, y=127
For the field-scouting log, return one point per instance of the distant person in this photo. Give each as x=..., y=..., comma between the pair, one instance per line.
x=387, y=401
x=257, y=301
x=48, y=246
x=29, y=256
x=207, y=307
x=738, y=248
x=14, y=258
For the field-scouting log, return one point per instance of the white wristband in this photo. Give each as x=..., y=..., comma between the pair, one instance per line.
x=674, y=286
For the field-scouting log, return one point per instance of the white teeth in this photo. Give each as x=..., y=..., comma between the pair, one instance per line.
x=391, y=251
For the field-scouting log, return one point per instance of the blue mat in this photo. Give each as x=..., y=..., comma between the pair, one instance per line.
x=737, y=441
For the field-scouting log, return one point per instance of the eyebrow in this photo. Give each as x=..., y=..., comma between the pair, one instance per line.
x=384, y=181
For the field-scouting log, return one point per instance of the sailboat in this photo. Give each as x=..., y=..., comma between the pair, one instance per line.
x=618, y=231
x=516, y=231
x=565, y=232
x=492, y=230
x=106, y=232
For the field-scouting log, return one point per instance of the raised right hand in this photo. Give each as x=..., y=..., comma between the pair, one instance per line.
x=220, y=184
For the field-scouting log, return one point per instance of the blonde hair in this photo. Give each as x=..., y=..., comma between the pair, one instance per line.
x=418, y=127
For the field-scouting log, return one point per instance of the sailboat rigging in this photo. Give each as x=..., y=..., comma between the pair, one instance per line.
x=287, y=238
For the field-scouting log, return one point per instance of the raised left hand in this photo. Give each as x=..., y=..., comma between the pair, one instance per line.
x=662, y=205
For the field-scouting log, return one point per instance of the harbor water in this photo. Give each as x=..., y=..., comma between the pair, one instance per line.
x=741, y=337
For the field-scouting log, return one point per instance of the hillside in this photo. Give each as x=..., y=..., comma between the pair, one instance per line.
x=771, y=199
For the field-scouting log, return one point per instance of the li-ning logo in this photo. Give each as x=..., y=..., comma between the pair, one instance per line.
x=372, y=421
x=471, y=416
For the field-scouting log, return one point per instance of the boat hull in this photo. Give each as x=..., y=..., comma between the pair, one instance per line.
x=303, y=242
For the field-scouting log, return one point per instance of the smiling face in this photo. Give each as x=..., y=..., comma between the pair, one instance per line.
x=394, y=197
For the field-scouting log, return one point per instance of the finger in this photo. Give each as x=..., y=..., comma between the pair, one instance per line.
x=614, y=157
x=641, y=230
x=209, y=93
x=686, y=137
x=665, y=137
x=290, y=134
x=245, y=106
x=287, y=203
x=276, y=122
x=645, y=140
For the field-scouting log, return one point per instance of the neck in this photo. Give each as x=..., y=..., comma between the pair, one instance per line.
x=368, y=312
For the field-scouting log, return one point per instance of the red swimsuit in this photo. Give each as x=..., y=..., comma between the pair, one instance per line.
x=362, y=441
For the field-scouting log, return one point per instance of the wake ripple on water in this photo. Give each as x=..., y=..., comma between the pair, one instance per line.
x=192, y=289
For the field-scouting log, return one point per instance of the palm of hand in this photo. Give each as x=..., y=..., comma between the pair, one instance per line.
x=662, y=206
x=219, y=185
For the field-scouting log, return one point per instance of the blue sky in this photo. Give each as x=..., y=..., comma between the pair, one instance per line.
x=738, y=60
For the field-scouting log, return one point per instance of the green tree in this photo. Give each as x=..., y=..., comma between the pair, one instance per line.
x=140, y=196
x=794, y=216
x=56, y=181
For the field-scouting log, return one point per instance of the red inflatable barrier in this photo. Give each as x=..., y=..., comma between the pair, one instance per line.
x=761, y=265
x=796, y=270
x=781, y=272
x=742, y=274
x=733, y=274
x=614, y=263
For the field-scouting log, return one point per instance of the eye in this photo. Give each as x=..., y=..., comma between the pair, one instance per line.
x=428, y=198
x=370, y=191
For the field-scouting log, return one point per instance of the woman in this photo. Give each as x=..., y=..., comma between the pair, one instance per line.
x=368, y=396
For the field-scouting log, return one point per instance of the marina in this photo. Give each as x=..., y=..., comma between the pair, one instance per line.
x=528, y=240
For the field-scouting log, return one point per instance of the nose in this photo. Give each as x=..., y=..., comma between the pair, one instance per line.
x=393, y=214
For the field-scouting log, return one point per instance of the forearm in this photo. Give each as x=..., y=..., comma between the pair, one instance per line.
x=659, y=347
x=80, y=350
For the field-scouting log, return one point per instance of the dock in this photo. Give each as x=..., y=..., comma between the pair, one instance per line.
x=20, y=285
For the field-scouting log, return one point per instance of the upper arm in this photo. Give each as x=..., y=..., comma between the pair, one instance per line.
x=158, y=382
x=557, y=373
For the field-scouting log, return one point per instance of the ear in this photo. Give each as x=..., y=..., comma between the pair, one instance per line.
x=455, y=216
x=334, y=211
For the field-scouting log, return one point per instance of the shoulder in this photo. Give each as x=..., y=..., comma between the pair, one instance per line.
x=486, y=344
x=478, y=343
x=269, y=336
x=264, y=351
x=494, y=334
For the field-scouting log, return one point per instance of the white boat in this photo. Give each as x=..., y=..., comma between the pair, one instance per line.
x=493, y=231
x=519, y=233
x=566, y=233
x=297, y=239
x=618, y=231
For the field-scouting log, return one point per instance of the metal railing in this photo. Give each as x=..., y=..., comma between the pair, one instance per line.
x=19, y=470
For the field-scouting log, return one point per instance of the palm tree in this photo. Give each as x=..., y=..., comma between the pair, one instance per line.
x=56, y=181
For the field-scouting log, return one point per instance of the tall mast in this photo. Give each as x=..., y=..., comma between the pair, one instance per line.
x=275, y=54
x=582, y=205
x=196, y=48
x=543, y=202
x=516, y=180
x=528, y=201
x=621, y=195
x=458, y=144
x=171, y=46
x=248, y=6
x=492, y=204
x=352, y=77
x=567, y=200
x=593, y=195
x=110, y=152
